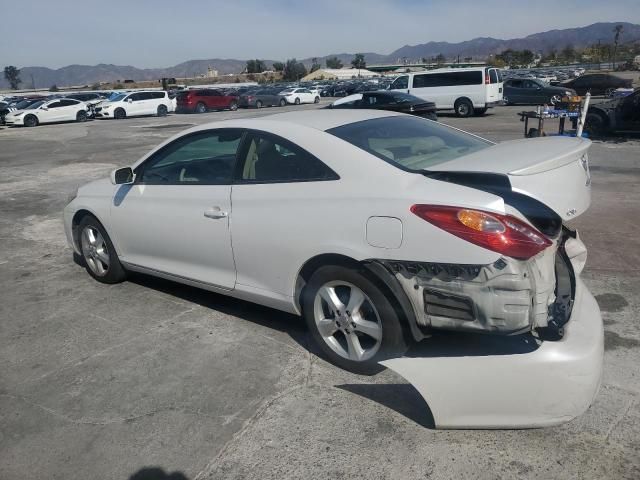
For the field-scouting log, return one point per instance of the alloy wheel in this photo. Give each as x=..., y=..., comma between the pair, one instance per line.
x=95, y=251
x=347, y=321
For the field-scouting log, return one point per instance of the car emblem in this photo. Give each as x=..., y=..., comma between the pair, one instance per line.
x=571, y=212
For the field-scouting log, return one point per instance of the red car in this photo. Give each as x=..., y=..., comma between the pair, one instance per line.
x=200, y=101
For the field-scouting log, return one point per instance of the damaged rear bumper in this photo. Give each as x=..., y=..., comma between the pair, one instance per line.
x=548, y=386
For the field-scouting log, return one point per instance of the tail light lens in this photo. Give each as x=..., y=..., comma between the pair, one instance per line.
x=487, y=79
x=504, y=234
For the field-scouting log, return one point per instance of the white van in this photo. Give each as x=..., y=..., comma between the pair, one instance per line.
x=130, y=104
x=468, y=91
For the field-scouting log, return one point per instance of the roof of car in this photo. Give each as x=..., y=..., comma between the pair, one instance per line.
x=327, y=119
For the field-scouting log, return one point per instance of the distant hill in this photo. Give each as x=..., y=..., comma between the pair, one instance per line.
x=477, y=48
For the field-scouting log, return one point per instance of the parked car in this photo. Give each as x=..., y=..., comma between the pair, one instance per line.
x=467, y=91
x=49, y=111
x=416, y=243
x=261, y=98
x=300, y=95
x=136, y=103
x=533, y=92
x=90, y=98
x=388, y=100
x=597, y=83
x=11, y=104
x=203, y=100
x=615, y=115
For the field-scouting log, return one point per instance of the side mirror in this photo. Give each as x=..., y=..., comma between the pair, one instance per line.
x=122, y=176
x=129, y=100
x=44, y=108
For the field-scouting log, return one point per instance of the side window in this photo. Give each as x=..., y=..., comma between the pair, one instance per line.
x=203, y=158
x=157, y=94
x=515, y=83
x=135, y=97
x=493, y=75
x=54, y=105
x=420, y=81
x=400, y=83
x=268, y=158
x=68, y=103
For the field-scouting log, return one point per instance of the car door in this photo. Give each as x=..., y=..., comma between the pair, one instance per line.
x=68, y=109
x=532, y=92
x=51, y=113
x=628, y=112
x=274, y=183
x=133, y=104
x=514, y=91
x=174, y=218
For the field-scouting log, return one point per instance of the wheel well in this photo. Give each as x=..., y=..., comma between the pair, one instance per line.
x=603, y=116
x=461, y=99
x=393, y=294
x=75, y=223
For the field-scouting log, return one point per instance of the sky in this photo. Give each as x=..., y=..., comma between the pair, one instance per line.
x=162, y=33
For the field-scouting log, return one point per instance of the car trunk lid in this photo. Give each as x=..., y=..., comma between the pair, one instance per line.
x=552, y=170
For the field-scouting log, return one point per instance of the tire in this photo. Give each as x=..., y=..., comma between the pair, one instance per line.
x=31, y=121
x=595, y=124
x=98, y=255
x=506, y=101
x=297, y=101
x=283, y=102
x=233, y=106
x=463, y=107
x=258, y=104
x=478, y=112
x=330, y=331
x=316, y=100
x=162, y=110
x=81, y=116
x=555, y=99
x=119, y=114
x=200, y=108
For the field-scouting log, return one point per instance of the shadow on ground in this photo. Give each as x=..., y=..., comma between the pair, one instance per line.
x=157, y=473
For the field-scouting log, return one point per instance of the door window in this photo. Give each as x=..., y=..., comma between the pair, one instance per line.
x=54, y=105
x=203, y=158
x=271, y=159
x=493, y=76
x=400, y=83
x=68, y=103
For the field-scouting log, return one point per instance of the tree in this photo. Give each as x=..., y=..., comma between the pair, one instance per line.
x=527, y=57
x=617, y=31
x=255, y=66
x=440, y=59
x=315, y=65
x=568, y=53
x=333, y=62
x=278, y=66
x=358, y=61
x=12, y=75
x=54, y=88
x=293, y=70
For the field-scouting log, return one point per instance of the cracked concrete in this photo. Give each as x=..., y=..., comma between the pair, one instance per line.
x=101, y=381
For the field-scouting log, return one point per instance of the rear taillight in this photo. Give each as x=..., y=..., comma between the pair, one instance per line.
x=504, y=234
x=487, y=79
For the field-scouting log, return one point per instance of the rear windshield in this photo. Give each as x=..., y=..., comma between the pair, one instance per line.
x=410, y=143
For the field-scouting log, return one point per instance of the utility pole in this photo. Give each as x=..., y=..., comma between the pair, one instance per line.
x=33, y=83
x=599, y=55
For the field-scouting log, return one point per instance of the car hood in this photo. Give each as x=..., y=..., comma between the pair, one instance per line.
x=553, y=170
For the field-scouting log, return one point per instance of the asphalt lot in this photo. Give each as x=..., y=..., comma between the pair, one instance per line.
x=100, y=381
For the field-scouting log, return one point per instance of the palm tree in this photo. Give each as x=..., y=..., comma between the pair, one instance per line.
x=617, y=30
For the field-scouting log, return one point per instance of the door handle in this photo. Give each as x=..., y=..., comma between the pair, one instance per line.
x=215, y=213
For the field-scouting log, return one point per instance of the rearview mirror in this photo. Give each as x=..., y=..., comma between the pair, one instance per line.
x=122, y=176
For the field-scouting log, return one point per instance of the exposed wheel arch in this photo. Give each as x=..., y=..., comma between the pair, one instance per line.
x=75, y=223
x=376, y=273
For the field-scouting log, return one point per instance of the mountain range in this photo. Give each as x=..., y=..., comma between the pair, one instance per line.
x=478, y=48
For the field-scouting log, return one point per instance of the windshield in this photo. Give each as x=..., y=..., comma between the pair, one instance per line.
x=33, y=106
x=117, y=97
x=22, y=104
x=410, y=143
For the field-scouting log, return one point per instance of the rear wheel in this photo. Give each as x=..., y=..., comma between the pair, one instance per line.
x=297, y=101
x=119, y=114
x=233, y=106
x=162, y=110
x=81, y=116
x=258, y=104
x=100, y=258
x=30, y=121
x=463, y=107
x=201, y=108
x=506, y=101
x=283, y=102
x=316, y=100
x=351, y=319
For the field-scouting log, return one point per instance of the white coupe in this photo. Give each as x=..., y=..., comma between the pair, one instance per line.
x=378, y=228
x=49, y=111
x=297, y=96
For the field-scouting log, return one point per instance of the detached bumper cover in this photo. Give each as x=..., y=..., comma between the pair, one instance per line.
x=551, y=385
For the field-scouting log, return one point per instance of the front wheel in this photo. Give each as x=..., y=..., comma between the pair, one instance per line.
x=297, y=101
x=463, y=107
x=162, y=110
x=119, y=114
x=351, y=319
x=258, y=104
x=555, y=99
x=201, y=108
x=81, y=116
x=316, y=100
x=234, y=106
x=283, y=102
x=30, y=121
x=594, y=124
x=100, y=258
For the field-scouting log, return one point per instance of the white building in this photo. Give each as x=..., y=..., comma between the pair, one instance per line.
x=339, y=74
